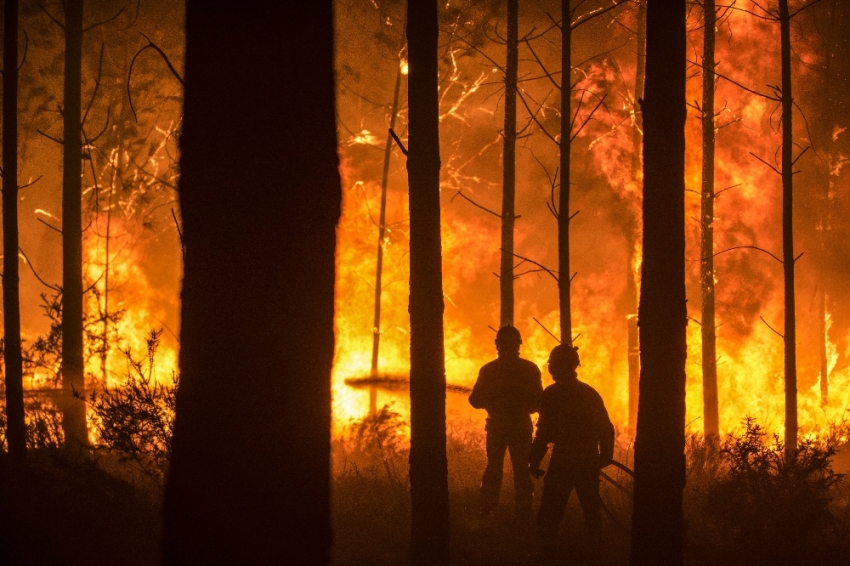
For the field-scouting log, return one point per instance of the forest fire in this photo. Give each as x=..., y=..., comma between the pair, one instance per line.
x=607, y=187
x=256, y=267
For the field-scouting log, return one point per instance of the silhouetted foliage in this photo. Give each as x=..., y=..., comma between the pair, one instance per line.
x=43, y=425
x=770, y=508
x=137, y=418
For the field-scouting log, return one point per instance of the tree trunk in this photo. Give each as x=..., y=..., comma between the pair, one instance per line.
x=657, y=521
x=633, y=231
x=788, y=235
x=708, y=328
x=833, y=46
x=564, y=273
x=382, y=230
x=506, y=273
x=73, y=366
x=428, y=463
x=249, y=478
x=15, y=426
x=822, y=339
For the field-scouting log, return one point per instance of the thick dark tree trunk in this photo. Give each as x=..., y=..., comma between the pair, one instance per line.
x=382, y=230
x=16, y=436
x=249, y=478
x=788, y=234
x=708, y=328
x=506, y=273
x=657, y=522
x=633, y=230
x=429, y=493
x=564, y=273
x=73, y=378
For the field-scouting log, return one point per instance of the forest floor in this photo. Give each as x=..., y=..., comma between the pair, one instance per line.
x=745, y=504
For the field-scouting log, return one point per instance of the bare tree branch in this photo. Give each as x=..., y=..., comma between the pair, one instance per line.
x=49, y=15
x=778, y=172
x=34, y=272
x=155, y=47
x=540, y=265
x=534, y=117
x=49, y=225
x=460, y=194
x=398, y=141
x=546, y=329
x=589, y=117
x=96, y=86
x=741, y=248
x=721, y=191
x=48, y=136
x=104, y=22
x=591, y=15
x=772, y=328
x=31, y=183
x=736, y=83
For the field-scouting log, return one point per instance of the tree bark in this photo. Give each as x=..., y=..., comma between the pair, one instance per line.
x=708, y=327
x=15, y=426
x=506, y=273
x=788, y=259
x=260, y=199
x=428, y=463
x=73, y=365
x=633, y=229
x=657, y=522
x=382, y=230
x=564, y=273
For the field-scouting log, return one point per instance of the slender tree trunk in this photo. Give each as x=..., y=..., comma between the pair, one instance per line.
x=429, y=493
x=657, y=521
x=249, y=480
x=822, y=338
x=74, y=410
x=832, y=48
x=708, y=328
x=15, y=426
x=564, y=269
x=788, y=235
x=633, y=230
x=382, y=231
x=506, y=273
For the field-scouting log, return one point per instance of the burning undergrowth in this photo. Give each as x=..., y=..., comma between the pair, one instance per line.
x=746, y=500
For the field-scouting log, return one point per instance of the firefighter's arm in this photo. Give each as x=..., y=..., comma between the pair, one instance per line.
x=538, y=450
x=479, y=398
x=545, y=430
x=535, y=390
x=606, y=437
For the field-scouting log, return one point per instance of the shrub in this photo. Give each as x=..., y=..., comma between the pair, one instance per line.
x=768, y=507
x=136, y=420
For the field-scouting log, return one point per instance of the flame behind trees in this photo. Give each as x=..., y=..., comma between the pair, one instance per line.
x=606, y=191
x=128, y=267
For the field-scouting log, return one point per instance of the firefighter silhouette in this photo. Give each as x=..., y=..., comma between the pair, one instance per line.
x=509, y=389
x=573, y=418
